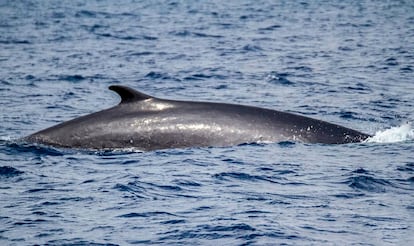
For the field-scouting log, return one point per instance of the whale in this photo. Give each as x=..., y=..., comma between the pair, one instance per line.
x=146, y=123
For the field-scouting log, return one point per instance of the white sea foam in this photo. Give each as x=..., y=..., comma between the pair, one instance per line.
x=5, y=138
x=401, y=133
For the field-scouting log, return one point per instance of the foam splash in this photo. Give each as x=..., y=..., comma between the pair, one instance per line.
x=5, y=138
x=401, y=133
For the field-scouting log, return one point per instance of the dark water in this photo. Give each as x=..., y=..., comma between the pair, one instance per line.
x=347, y=62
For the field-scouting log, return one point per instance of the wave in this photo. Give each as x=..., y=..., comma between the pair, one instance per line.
x=401, y=133
x=7, y=171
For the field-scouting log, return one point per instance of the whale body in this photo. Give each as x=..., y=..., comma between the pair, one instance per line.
x=147, y=123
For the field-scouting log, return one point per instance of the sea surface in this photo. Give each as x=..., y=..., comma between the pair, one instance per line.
x=346, y=62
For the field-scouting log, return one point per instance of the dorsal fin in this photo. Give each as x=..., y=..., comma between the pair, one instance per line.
x=128, y=94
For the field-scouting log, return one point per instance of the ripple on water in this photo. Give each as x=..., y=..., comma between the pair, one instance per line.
x=368, y=183
x=7, y=171
x=147, y=214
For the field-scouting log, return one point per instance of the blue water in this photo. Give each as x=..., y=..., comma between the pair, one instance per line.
x=347, y=62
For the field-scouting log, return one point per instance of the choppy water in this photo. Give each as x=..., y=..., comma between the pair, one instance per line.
x=350, y=63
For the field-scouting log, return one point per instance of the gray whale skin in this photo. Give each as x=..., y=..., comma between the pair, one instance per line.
x=145, y=123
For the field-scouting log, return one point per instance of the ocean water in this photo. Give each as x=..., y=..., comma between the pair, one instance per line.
x=346, y=62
